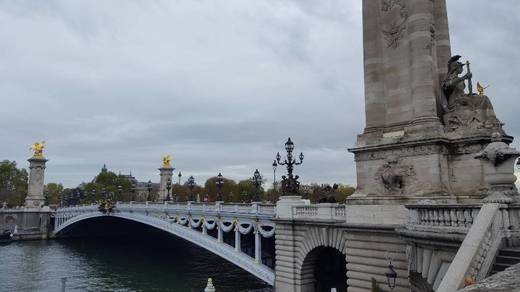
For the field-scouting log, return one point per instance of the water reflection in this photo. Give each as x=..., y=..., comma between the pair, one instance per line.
x=154, y=262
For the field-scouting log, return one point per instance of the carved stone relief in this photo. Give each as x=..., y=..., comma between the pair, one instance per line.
x=393, y=175
x=403, y=151
x=395, y=15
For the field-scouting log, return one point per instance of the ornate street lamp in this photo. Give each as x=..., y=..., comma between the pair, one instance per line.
x=275, y=165
x=168, y=187
x=220, y=183
x=257, y=181
x=391, y=274
x=290, y=184
x=191, y=185
x=180, y=175
x=149, y=186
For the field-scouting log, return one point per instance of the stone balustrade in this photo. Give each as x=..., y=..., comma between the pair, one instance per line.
x=436, y=217
x=324, y=211
x=260, y=209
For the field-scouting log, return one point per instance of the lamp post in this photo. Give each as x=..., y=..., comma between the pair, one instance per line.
x=168, y=188
x=149, y=186
x=257, y=181
x=290, y=184
x=180, y=175
x=391, y=274
x=119, y=192
x=191, y=185
x=133, y=191
x=220, y=183
x=104, y=193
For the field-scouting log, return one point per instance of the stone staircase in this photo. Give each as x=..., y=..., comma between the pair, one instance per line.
x=506, y=257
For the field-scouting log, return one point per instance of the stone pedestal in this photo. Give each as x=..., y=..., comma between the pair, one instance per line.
x=285, y=203
x=35, y=197
x=165, y=173
x=499, y=161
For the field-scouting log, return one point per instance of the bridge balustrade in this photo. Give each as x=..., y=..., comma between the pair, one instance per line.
x=324, y=211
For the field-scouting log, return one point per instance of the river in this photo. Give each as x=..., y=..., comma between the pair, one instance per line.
x=152, y=263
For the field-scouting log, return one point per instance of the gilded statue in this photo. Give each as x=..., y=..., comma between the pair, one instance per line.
x=167, y=161
x=38, y=149
x=481, y=89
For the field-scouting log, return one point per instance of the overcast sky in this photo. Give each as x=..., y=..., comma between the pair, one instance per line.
x=220, y=85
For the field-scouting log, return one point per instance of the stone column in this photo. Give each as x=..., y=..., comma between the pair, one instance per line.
x=237, y=238
x=258, y=246
x=165, y=173
x=35, y=197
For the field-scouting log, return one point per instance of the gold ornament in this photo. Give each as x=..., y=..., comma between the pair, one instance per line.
x=167, y=161
x=38, y=149
x=481, y=88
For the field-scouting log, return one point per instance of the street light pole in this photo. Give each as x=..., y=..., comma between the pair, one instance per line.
x=149, y=198
x=191, y=185
x=180, y=175
x=220, y=183
x=275, y=165
x=168, y=187
x=119, y=192
x=257, y=181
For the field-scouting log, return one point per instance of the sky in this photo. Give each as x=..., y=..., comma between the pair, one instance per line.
x=219, y=85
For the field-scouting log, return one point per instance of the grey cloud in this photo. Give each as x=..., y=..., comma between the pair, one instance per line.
x=220, y=85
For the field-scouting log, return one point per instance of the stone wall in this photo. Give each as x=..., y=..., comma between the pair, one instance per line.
x=30, y=223
x=365, y=250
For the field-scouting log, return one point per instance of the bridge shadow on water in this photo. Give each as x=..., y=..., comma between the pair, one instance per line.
x=137, y=257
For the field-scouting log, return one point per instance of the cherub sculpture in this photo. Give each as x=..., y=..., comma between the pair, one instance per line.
x=38, y=149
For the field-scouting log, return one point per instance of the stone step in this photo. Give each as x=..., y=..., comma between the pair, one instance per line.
x=506, y=257
x=507, y=260
x=510, y=252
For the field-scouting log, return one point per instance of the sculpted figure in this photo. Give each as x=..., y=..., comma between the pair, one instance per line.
x=453, y=86
x=167, y=161
x=38, y=149
x=391, y=175
x=461, y=110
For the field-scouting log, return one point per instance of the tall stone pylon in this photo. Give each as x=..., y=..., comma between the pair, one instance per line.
x=422, y=128
x=166, y=173
x=35, y=197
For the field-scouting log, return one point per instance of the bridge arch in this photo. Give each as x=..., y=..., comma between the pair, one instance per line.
x=209, y=243
x=321, y=249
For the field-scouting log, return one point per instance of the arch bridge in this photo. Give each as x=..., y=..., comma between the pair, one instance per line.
x=192, y=221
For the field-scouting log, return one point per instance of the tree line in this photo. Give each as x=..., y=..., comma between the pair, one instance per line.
x=107, y=184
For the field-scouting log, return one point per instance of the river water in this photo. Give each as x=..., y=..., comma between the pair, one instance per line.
x=152, y=263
